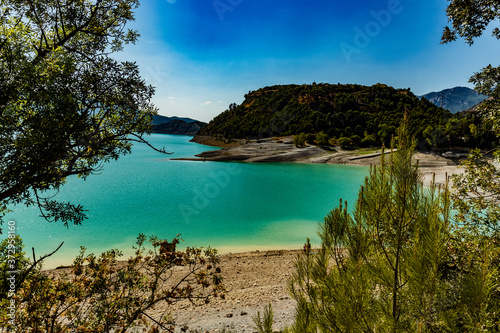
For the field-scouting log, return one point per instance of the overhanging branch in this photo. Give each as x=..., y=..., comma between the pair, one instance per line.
x=142, y=140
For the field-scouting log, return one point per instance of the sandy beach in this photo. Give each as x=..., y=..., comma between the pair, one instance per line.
x=253, y=280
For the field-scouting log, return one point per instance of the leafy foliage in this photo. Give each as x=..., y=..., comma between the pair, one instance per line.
x=470, y=19
x=476, y=243
x=322, y=139
x=66, y=106
x=101, y=294
x=477, y=194
x=12, y=258
x=345, y=143
x=299, y=140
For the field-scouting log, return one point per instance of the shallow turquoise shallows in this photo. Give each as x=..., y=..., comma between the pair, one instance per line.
x=230, y=206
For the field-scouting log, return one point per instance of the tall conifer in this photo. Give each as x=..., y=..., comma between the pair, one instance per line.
x=378, y=268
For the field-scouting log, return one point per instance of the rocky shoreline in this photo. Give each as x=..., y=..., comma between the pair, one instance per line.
x=283, y=150
x=265, y=150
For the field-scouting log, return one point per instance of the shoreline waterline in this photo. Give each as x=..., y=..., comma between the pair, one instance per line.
x=233, y=207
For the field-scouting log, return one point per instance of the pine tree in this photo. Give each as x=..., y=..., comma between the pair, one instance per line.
x=379, y=267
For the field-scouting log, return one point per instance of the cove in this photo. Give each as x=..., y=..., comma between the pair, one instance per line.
x=230, y=206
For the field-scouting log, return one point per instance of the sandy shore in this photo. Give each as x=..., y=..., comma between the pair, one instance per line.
x=252, y=279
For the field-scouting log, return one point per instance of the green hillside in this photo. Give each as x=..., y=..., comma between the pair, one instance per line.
x=337, y=110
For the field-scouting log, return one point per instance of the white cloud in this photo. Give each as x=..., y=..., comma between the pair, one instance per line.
x=206, y=103
x=171, y=97
x=219, y=102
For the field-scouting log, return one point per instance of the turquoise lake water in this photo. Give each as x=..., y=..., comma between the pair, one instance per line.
x=230, y=206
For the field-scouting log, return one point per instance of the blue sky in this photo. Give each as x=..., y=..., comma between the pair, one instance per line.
x=202, y=55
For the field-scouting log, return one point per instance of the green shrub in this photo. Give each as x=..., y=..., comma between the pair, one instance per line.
x=264, y=324
x=299, y=140
x=345, y=143
x=369, y=140
x=356, y=140
x=310, y=138
x=322, y=139
x=100, y=294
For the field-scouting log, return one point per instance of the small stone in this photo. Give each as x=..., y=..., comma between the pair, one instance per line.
x=229, y=315
x=243, y=313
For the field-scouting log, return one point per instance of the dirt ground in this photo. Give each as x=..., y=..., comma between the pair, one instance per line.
x=253, y=280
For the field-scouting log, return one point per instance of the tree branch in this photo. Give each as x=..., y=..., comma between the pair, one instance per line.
x=142, y=140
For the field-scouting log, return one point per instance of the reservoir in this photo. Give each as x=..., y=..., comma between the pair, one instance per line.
x=232, y=207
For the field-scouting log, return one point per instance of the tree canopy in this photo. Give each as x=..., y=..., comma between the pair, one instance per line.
x=66, y=106
x=369, y=115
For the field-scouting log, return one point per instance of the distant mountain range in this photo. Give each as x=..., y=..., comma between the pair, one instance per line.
x=176, y=125
x=455, y=99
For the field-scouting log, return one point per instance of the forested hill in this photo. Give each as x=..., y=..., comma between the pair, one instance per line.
x=176, y=125
x=337, y=110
